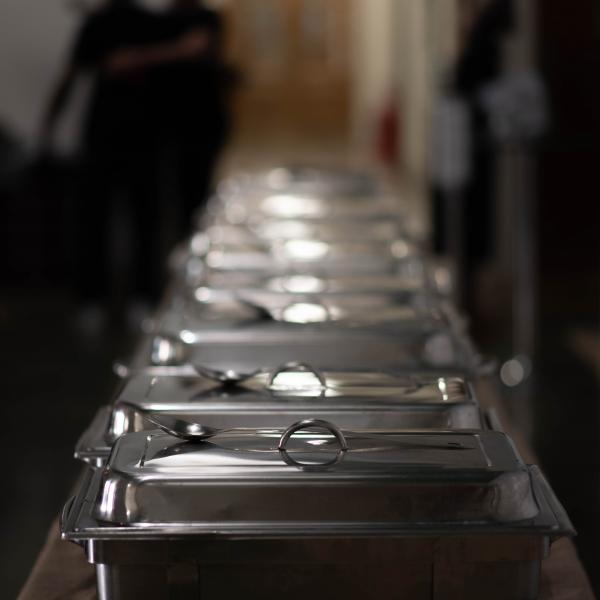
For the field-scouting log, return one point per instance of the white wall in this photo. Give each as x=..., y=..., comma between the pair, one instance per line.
x=34, y=37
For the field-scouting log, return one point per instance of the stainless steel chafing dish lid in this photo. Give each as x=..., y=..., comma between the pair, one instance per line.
x=264, y=481
x=269, y=230
x=413, y=274
x=441, y=403
x=297, y=381
x=307, y=179
x=419, y=302
x=406, y=281
x=366, y=400
x=252, y=347
x=314, y=255
x=209, y=308
x=305, y=207
x=256, y=200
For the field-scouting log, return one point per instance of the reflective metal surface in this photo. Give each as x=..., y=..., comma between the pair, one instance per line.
x=352, y=400
x=208, y=308
x=310, y=384
x=254, y=204
x=306, y=255
x=250, y=349
x=271, y=230
x=315, y=179
x=183, y=428
x=411, y=280
x=303, y=381
x=413, y=480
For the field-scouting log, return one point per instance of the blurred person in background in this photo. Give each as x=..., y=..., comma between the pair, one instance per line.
x=153, y=79
x=193, y=95
x=117, y=152
x=478, y=66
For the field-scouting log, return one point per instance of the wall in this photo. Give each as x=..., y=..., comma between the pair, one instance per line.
x=34, y=37
x=372, y=32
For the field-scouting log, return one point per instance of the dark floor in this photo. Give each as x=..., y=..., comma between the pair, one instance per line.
x=567, y=417
x=565, y=405
x=53, y=381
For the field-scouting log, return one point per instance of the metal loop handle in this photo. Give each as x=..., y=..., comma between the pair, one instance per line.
x=290, y=431
x=317, y=423
x=297, y=365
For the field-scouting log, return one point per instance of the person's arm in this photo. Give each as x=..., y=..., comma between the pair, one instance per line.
x=82, y=57
x=193, y=45
x=56, y=103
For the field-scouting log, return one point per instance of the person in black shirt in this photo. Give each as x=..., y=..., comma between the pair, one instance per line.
x=132, y=56
x=194, y=94
x=115, y=100
x=117, y=150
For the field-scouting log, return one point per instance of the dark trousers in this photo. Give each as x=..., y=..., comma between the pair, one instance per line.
x=111, y=181
x=190, y=149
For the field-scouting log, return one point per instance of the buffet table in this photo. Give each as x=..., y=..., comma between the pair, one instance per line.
x=61, y=571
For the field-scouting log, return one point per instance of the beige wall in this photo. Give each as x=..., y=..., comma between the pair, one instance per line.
x=401, y=47
x=372, y=33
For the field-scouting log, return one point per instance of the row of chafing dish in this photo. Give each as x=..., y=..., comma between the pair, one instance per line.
x=349, y=455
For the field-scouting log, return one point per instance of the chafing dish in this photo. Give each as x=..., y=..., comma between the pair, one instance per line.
x=414, y=277
x=270, y=230
x=315, y=511
x=413, y=274
x=305, y=179
x=314, y=256
x=254, y=205
x=352, y=400
x=207, y=308
x=267, y=345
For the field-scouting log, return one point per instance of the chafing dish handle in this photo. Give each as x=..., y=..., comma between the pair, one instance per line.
x=294, y=365
x=65, y=513
x=493, y=421
x=314, y=423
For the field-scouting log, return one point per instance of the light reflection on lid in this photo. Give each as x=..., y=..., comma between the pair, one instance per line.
x=443, y=389
x=284, y=230
x=189, y=337
x=305, y=312
x=279, y=178
x=214, y=259
x=235, y=213
x=199, y=244
x=297, y=380
x=203, y=294
x=400, y=249
x=302, y=284
x=305, y=249
x=287, y=205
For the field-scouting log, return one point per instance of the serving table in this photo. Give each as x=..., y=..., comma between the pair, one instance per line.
x=61, y=571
